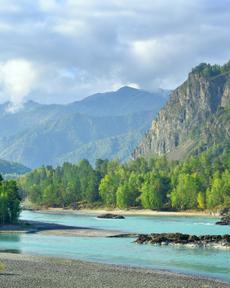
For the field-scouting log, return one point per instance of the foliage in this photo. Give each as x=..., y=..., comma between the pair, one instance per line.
x=184, y=195
x=9, y=202
x=208, y=70
x=2, y=267
x=154, y=191
x=199, y=182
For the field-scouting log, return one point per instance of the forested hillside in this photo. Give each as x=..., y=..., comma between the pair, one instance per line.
x=198, y=183
x=183, y=162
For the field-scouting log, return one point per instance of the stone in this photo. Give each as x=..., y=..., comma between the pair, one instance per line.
x=224, y=221
x=184, y=239
x=176, y=131
x=110, y=216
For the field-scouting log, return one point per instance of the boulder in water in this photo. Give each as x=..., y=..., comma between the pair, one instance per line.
x=110, y=216
x=224, y=221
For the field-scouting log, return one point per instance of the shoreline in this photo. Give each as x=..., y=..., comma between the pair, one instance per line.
x=130, y=212
x=58, y=230
x=23, y=270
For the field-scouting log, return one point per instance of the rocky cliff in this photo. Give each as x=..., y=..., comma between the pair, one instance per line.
x=196, y=115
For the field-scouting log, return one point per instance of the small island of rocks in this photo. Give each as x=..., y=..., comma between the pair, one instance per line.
x=110, y=216
x=215, y=241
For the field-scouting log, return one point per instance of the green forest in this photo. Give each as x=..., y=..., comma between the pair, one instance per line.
x=9, y=202
x=200, y=182
x=208, y=70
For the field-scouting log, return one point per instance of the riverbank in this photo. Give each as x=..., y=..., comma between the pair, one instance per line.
x=22, y=271
x=56, y=230
x=131, y=212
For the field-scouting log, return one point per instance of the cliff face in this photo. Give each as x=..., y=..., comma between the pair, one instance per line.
x=188, y=116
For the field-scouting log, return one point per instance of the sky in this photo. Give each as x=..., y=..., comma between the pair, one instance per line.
x=59, y=51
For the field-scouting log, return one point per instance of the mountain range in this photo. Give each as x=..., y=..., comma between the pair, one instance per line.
x=104, y=125
x=196, y=116
x=12, y=168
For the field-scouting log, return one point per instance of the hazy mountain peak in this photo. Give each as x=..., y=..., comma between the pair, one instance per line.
x=127, y=88
x=113, y=122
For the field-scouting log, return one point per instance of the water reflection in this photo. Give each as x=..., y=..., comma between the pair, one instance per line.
x=9, y=237
x=14, y=251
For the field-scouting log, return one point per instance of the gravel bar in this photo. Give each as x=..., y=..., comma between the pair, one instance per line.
x=22, y=271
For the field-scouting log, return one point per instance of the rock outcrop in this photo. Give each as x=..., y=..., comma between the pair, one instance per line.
x=189, y=115
x=225, y=220
x=216, y=241
x=110, y=216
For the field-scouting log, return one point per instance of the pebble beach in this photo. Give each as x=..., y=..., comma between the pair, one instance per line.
x=22, y=271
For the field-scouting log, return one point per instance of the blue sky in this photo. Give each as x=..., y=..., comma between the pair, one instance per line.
x=61, y=51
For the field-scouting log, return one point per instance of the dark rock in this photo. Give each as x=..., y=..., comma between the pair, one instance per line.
x=124, y=235
x=143, y=238
x=194, y=104
x=193, y=238
x=224, y=221
x=110, y=216
x=184, y=239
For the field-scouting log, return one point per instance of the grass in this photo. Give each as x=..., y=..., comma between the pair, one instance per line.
x=2, y=267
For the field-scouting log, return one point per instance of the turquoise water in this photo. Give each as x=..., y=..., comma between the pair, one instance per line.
x=203, y=261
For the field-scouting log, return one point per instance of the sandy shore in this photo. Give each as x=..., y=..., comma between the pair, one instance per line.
x=22, y=271
x=57, y=230
x=132, y=212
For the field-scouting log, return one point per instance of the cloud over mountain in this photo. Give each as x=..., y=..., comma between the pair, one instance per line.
x=81, y=47
x=17, y=79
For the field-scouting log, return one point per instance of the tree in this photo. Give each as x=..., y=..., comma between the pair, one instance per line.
x=108, y=188
x=184, y=195
x=9, y=202
x=219, y=192
x=154, y=191
x=201, y=200
x=123, y=197
x=88, y=181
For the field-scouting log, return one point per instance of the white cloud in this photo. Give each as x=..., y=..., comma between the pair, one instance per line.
x=69, y=27
x=5, y=27
x=48, y=5
x=17, y=78
x=87, y=46
x=118, y=85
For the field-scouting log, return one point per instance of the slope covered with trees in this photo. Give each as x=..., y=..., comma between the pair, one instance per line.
x=198, y=183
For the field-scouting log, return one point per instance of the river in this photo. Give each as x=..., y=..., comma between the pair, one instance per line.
x=208, y=262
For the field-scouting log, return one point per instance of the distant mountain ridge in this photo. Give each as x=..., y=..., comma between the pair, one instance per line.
x=104, y=125
x=196, y=116
x=12, y=168
x=124, y=101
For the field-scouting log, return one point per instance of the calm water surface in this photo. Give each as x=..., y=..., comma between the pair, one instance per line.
x=203, y=261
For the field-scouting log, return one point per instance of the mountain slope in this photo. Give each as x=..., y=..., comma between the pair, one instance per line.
x=12, y=168
x=50, y=134
x=119, y=146
x=195, y=117
x=124, y=101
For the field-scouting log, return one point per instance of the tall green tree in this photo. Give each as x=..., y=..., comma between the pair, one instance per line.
x=184, y=195
x=9, y=202
x=154, y=191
